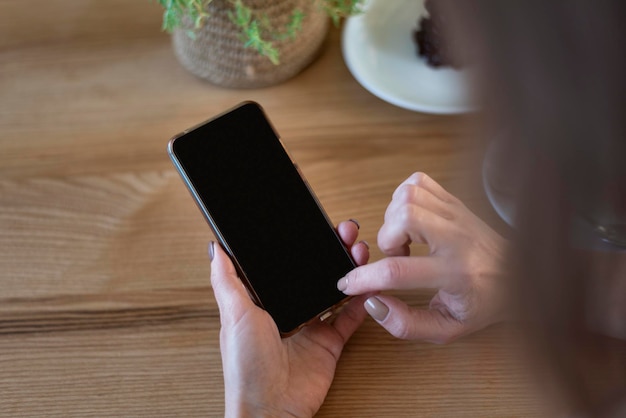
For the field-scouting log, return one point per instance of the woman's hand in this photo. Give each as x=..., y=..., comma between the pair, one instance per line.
x=265, y=375
x=465, y=265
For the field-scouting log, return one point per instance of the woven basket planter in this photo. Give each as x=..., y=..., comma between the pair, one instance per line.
x=218, y=54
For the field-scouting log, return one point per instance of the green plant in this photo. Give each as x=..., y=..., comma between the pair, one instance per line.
x=256, y=30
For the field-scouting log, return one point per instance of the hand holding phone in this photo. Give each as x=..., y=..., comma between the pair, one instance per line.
x=268, y=375
x=281, y=242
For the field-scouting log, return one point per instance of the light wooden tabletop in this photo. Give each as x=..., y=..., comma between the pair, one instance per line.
x=105, y=303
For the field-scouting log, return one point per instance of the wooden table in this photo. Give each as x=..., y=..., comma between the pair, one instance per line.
x=105, y=303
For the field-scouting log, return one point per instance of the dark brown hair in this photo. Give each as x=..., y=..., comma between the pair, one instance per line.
x=552, y=75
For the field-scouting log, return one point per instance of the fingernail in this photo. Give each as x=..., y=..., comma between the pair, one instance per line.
x=342, y=284
x=367, y=245
x=376, y=308
x=211, y=250
x=354, y=221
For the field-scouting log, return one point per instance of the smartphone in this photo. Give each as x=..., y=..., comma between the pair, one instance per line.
x=263, y=212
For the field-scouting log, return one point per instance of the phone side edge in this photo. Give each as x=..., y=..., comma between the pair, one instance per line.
x=334, y=308
x=208, y=219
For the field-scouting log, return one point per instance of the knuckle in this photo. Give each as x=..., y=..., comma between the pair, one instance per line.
x=358, y=280
x=399, y=324
x=405, y=193
x=455, y=202
x=403, y=330
x=419, y=178
x=411, y=193
x=407, y=215
x=386, y=240
x=381, y=238
x=467, y=271
x=391, y=270
x=352, y=280
x=450, y=329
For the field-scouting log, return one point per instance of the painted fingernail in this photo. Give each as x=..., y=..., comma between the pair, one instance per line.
x=354, y=221
x=211, y=250
x=367, y=245
x=376, y=308
x=342, y=284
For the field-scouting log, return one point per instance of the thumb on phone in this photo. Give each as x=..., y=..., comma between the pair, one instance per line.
x=232, y=297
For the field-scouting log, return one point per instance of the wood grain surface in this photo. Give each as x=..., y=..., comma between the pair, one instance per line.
x=105, y=303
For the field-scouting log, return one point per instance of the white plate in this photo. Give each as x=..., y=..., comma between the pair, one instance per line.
x=379, y=50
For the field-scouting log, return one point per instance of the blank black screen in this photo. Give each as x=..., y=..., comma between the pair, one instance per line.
x=263, y=209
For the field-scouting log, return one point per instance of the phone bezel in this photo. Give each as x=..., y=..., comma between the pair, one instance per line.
x=326, y=313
